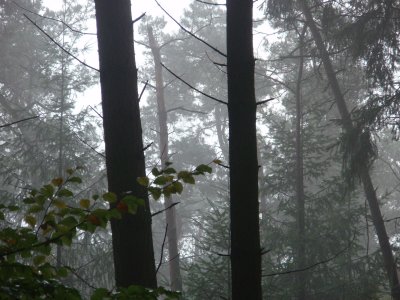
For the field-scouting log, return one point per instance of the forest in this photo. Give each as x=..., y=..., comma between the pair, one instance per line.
x=238, y=150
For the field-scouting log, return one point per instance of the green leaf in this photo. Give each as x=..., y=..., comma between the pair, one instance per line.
x=38, y=260
x=62, y=272
x=35, y=209
x=156, y=172
x=217, y=161
x=59, y=203
x=189, y=179
x=70, y=171
x=155, y=192
x=183, y=174
x=110, y=197
x=170, y=171
x=168, y=163
x=84, y=203
x=143, y=181
x=13, y=208
x=204, y=169
x=47, y=190
x=65, y=193
x=29, y=200
x=75, y=179
x=31, y=220
x=178, y=187
x=161, y=180
x=57, y=181
x=100, y=294
x=2, y=217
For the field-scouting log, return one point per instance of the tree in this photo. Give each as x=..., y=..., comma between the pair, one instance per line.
x=170, y=214
x=243, y=166
x=132, y=238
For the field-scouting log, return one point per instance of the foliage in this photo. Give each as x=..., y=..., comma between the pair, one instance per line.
x=53, y=216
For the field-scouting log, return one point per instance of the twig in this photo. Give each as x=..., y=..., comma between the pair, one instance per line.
x=160, y=211
x=19, y=121
x=147, y=147
x=265, y=101
x=138, y=18
x=189, y=32
x=91, y=147
x=92, y=108
x=162, y=248
x=143, y=89
x=192, y=87
x=61, y=47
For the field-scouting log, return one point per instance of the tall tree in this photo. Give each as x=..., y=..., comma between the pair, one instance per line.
x=362, y=168
x=132, y=236
x=170, y=213
x=244, y=208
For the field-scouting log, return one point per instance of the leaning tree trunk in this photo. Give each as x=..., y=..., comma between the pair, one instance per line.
x=363, y=171
x=244, y=207
x=170, y=213
x=131, y=236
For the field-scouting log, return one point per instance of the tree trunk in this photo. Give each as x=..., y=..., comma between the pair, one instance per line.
x=170, y=213
x=131, y=236
x=369, y=189
x=300, y=209
x=244, y=207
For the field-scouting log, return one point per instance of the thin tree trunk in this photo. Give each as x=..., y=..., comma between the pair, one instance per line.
x=131, y=236
x=244, y=207
x=170, y=213
x=301, y=259
x=370, y=192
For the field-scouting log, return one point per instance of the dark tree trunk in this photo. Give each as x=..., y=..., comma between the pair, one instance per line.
x=131, y=236
x=170, y=213
x=244, y=207
x=300, y=255
x=370, y=192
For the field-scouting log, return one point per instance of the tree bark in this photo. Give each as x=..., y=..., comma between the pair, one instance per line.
x=244, y=207
x=370, y=192
x=170, y=213
x=131, y=236
x=300, y=198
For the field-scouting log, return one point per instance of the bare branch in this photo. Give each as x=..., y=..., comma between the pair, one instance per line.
x=138, y=18
x=185, y=109
x=161, y=211
x=54, y=19
x=61, y=47
x=143, y=89
x=210, y=3
x=265, y=101
x=193, y=88
x=19, y=121
x=311, y=266
x=189, y=32
x=162, y=248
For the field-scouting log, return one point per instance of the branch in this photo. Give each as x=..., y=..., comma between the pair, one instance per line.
x=91, y=147
x=264, y=101
x=160, y=211
x=147, y=147
x=210, y=3
x=92, y=108
x=61, y=47
x=138, y=18
x=143, y=89
x=185, y=109
x=192, y=87
x=189, y=32
x=19, y=121
x=310, y=266
x=162, y=248
x=54, y=19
